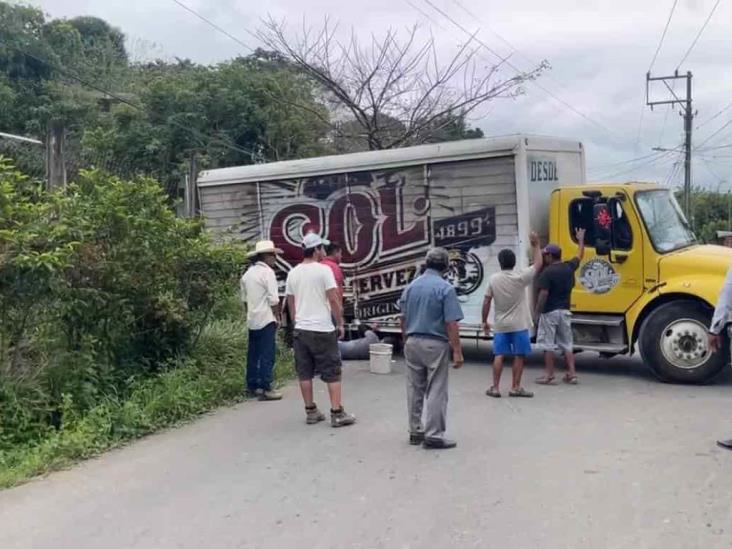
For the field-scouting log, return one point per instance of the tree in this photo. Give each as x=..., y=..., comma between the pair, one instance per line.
x=392, y=92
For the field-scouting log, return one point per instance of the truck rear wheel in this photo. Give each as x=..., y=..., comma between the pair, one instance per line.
x=674, y=344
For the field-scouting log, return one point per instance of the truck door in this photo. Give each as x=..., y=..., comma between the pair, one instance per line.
x=606, y=283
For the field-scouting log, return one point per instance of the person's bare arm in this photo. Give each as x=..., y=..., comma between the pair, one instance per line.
x=580, y=234
x=277, y=312
x=403, y=327
x=453, y=334
x=334, y=298
x=487, y=300
x=291, y=307
x=538, y=256
x=540, y=302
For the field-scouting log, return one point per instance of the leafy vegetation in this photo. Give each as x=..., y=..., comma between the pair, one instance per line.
x=116, y=318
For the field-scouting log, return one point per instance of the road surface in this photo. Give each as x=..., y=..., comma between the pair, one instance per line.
x=618, y=461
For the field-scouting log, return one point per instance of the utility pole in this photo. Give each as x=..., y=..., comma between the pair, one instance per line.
x=55, y=161
x=688, y=113
x=191, y=190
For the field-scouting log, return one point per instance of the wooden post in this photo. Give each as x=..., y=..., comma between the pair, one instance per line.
x=192, y=206
x=55, y=161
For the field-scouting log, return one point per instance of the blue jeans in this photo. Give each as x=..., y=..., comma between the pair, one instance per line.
x=261, y=357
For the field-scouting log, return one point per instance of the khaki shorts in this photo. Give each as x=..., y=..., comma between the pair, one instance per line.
x=317, y=353
x=555, y=332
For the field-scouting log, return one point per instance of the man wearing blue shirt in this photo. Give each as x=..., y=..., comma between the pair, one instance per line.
x=430, y=316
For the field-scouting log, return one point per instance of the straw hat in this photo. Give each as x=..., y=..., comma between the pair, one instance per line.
x=264, y=247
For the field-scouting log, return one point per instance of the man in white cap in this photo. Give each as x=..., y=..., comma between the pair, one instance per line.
x=313, y=300
x=260, y=294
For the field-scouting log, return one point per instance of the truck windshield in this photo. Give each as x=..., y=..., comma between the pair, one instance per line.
x=666, y=224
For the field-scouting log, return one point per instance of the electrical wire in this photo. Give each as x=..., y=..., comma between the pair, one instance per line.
x=663, y=35
x=714, y=134
x=720, y=113
x=122, y=100
x=519, y=71
x=217, y=27
x=701, y=30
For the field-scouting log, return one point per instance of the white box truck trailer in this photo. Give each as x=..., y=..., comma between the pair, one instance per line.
x=386, y=208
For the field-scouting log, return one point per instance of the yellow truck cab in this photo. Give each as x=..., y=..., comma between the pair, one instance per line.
x=645, y=282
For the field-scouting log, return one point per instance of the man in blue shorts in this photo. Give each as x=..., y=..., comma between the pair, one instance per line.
x=507, y=290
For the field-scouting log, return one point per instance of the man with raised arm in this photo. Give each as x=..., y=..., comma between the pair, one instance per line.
x=553, y=309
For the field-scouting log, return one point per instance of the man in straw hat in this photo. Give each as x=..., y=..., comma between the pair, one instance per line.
x=260, y=294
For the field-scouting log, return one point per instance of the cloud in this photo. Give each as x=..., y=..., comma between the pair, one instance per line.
x=599, y=54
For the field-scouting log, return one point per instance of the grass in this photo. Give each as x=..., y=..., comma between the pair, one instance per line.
x=212, y=376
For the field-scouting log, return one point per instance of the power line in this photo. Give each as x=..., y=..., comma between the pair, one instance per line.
x=720, y=113
x=124, y=101
x=714, y=134
x=701, y=30
x=650, y=67
x=660, y=156
x=603, y=167
x=215, y=26
x=663, y=35
x=518, y=70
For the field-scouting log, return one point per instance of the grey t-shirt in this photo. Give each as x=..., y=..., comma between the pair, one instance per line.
x=508, y=290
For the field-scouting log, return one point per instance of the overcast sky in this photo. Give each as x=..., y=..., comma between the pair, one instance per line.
x=599, y=53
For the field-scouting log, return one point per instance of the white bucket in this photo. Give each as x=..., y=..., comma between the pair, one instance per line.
x=380, y=354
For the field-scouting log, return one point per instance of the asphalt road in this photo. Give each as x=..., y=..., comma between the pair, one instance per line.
x=618, y=461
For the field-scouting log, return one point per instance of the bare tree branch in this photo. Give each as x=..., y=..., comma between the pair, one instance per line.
x=396, y=92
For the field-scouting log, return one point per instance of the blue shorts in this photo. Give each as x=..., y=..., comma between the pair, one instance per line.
x=512, y=343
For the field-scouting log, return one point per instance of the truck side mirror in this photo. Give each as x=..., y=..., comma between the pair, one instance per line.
x=603, y=224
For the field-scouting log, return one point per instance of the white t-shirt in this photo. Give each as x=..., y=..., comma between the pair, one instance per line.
x=508, y=290
x=260, y=293
x=308, y=284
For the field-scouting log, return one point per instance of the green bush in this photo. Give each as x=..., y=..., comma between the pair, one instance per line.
x=101, y=288
x=212, y=375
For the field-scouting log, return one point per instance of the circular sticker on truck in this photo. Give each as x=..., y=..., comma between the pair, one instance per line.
x=597, y=276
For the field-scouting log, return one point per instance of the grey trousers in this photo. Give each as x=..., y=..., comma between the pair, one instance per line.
x=428, y=363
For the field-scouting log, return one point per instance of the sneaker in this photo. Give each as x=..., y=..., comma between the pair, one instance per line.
x=255, y=393
x=416, y=438
x=438, y=443
x=270, y=395
x=313, y=415
x=341, y=419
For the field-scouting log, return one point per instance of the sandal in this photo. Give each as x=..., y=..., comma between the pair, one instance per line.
x=520, y=392
x=493, y=392
x=572, y=380
x=546, y=380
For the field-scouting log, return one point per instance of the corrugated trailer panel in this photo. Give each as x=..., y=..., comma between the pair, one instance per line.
x=385, y=220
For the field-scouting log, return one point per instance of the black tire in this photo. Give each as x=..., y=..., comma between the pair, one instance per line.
x=676, y=330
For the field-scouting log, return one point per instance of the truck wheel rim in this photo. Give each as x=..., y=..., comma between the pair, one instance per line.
x=684, y=344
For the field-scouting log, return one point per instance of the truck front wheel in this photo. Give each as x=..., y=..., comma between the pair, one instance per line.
x=674, y=344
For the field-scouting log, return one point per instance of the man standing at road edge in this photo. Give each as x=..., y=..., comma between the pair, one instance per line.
x=430, y=316
x=260, y=294
x=553, y=309
x=507, y=289
x=314, y=302
x=720, y=321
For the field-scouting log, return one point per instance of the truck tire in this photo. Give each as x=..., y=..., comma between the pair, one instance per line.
x=673, y=343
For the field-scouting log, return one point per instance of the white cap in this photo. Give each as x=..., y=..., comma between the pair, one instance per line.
x=313, y=240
